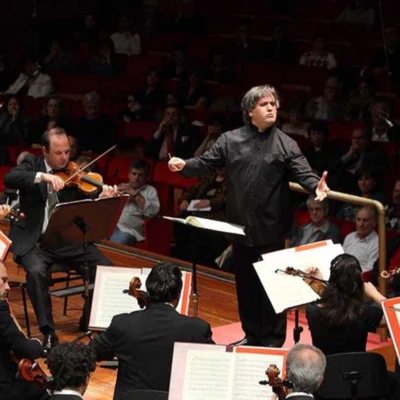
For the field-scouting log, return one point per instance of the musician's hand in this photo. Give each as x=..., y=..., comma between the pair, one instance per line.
x=314, y=271
x=109, y=191
x=55, y=181
x=202, y=204
x=176, y=164
x=4, y=210
x=370, y=290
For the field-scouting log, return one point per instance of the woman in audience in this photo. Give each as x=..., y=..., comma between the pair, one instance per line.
x=153, y=94
x=318, y=56
x=133, y=110
x=340, y=322
x=329, y=106
x=368, y=187
x=14, y=123
x=59, y=58
x=53, y=115
x=358, y=106
x=295, y=124
x=194, y=94
x=104, y=62
x=215, y=127
x=357, y=13
x=126, y=40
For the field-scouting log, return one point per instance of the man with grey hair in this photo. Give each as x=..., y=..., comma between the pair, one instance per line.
x=95, y=131
x=320, y=228
x=260, y=160
x=305, y=368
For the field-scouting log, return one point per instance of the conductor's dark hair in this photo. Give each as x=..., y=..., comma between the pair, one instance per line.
x=140, y=164
x=51, y=132
x=70, y=365
x=343, y=298
x=164, y=283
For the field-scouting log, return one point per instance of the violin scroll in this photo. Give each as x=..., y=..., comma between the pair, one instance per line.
x=29, y=370
x=279, y=386
x=391, y=273
x=142, y=297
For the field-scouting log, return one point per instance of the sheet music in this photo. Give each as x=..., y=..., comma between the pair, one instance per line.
x=249, y=371
x=391, y=310
x=284, y=291
x=5, y=244
x=208, y=376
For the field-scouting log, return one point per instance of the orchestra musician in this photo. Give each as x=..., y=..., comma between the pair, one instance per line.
x=260, y=160
x=13, y=340
x=39, y=190
x=143, y=341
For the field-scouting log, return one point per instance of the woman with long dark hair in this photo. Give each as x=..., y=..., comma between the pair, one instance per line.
x=340, y=322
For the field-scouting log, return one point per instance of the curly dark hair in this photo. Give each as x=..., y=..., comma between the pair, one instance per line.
x=343, y=298
x=164, y=283
x=70, y=365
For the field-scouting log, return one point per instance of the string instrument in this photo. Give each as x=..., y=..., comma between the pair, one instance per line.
x=142, y=297
x=279, y=386
x=391, y=273
x=316, y=284
x=14, y=213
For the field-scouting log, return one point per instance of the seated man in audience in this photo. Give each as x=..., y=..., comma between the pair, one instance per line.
x=305, y=368
x=319, y=228
x=172, y=138
x=383, y=130
x=13, y=340
x=70, y=365
x=32, y=82
x=363, y=243
x=143, y=341
x=393, y=213
x=215, y=127
x=143, y=202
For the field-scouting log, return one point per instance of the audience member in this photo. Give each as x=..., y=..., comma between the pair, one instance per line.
x=52, y=116
x=329, y=106
x=368, y=187
x=153, y=94
x=209, y=201
x=32, y=82
x=359, y=104
x=104, y=63
x=320, y=155
x=143, y=341
x=296, y=124
x=14, y=123
x=180, y=65
x=59, y=58
x=340, y=322
x=89, y=33
x=319, y=228
x=75, y=149
x=357, y=12
x=172, y=137
x=133, y=110
x=215, y=127
x=95, y=131
x=393, y=212
x=242, y=48
x=305, y=368
x=383, y=130
x=318, y=56
x=126, y=40
x=220, y=69
x=143, y=202
x=279, y=49
x=194, y=93
x=71, y=366
x=363, y=243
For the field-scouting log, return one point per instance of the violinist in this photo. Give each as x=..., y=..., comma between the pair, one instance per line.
x=341, y=321
x=305, y=368
x=40, y=189
x=13, y=340
x=143, y=341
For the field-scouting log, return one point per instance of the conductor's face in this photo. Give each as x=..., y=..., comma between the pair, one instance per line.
x=264, y=113
x=58, y=154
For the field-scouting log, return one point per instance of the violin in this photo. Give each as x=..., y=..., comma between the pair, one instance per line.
x=15, y=214
x=316, y=284
x=142, y=297
x=279, y=386
x=391, y=273
x=31, y=371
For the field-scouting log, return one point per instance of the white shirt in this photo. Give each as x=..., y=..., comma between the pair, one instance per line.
x=299, y=394
x=68, y=392
x=132, y=218
x=126, y=44
x=379, y=138
x=365, y=250
x=42, y=86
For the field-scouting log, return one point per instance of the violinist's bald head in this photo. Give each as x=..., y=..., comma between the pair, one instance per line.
x=56, y=148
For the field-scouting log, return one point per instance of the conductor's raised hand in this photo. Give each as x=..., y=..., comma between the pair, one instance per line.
x=322, y=188
x=109, y=191
x=176, y=164
x=54, y=181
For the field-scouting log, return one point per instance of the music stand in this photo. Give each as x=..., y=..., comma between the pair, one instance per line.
x=83, y=222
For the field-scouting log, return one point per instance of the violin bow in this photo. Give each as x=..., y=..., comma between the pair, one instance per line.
x=89, y=164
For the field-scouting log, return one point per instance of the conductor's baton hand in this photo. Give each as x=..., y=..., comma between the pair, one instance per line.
x=176, y=164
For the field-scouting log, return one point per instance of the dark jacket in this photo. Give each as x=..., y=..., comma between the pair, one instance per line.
x=13, y=132
x=259, y=167
x=143, y=343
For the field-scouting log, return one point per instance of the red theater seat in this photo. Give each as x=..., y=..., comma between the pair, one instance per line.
x=142, y=129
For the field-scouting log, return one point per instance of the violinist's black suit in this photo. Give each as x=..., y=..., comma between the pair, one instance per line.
x=26, y=235
x=12, y=339
x=143, y=343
